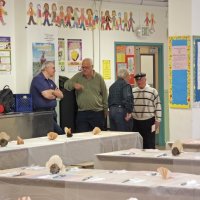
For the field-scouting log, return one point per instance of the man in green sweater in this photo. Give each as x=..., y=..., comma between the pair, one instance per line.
x=91, y=97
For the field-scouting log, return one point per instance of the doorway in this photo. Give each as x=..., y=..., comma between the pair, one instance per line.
x=148, y=58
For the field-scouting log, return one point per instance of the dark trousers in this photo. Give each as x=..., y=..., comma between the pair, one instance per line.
x=117, y=120
x=144, y=127
x=87, y=120
x=56, y=127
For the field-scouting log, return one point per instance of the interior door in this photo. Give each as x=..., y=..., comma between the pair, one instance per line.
x=146, y=59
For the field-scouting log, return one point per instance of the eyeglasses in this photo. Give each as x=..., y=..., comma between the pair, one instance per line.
x=86, y=67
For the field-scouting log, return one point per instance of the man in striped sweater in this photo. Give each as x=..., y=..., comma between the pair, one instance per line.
x=147, y=111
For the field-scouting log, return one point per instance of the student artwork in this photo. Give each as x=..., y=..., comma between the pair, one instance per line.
x=82, y=19
x=152, y=23
x=61, y=17
x=120, y=21
x=2, y=11
x=39, y=14
x=114, y=20
x=53, y=13
x=68, y=17
x=107, y=20
x=102, y=21
x=147, y=20
x=76, y=18
x=96, y=19
x=31, y=13
x=125, y=22
x=89, y=19
x=46, y=14
x=131, y=22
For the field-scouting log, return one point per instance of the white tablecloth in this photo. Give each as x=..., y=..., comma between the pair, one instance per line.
x=136, y=159
x=80, y=148
x=87, y=184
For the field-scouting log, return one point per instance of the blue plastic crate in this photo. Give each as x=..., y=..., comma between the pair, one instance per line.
x=23, y=103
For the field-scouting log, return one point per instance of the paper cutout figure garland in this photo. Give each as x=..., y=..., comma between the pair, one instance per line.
x=46, y=14
x=31, y=13
x=2, y=11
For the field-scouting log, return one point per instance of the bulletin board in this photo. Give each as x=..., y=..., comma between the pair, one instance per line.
x=196, y=61
x=179, y=71
x=124, y=56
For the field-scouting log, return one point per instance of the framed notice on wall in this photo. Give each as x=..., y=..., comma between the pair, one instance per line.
x=124, y=56
x=179, y=72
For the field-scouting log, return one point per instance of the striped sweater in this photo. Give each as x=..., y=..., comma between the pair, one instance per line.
x=146, y=103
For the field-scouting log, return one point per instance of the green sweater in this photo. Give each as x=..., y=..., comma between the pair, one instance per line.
x=94, y=94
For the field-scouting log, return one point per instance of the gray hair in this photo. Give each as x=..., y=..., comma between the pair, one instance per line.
x=45, y=65
x=122, y=73
x=88, y=60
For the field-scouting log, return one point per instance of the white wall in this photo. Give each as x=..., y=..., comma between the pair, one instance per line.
x=8, y=30
x=183, y=21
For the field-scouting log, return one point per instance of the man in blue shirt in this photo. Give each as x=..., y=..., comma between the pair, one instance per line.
x=45, y=92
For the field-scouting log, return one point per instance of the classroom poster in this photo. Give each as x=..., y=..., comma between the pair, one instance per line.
x=179, y=68
x=42, y=52
x=74, y=58
x=106, y=70
x=61, y=54
x=5, y=54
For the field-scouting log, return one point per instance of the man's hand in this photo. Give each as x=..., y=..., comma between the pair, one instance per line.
x=78, y=86
x=57, y=93
x=157, y=125
x=128, y=116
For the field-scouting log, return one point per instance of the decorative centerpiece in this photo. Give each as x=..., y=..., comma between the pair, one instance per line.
x=68, y=132
x=52, y=135
x=4, y=138
x=96, y=131
x=177, y=148
x=19, y=140
x=55, y=164
x=164, y=172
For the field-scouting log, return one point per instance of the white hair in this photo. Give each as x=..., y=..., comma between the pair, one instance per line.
x=122, y=73
x=45, y=65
